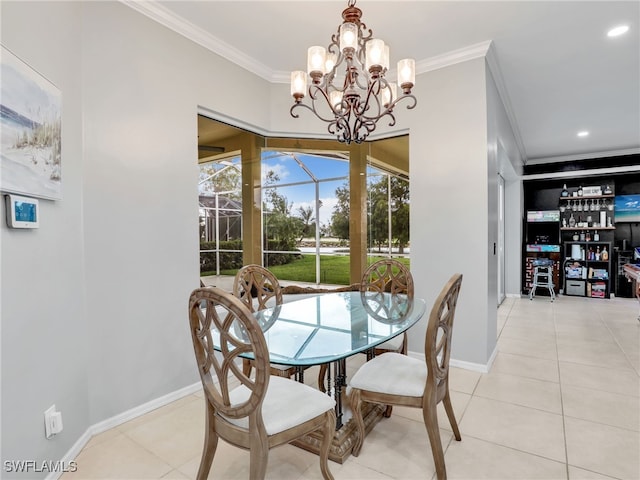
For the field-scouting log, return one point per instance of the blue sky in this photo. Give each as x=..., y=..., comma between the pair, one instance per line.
x=303, y=195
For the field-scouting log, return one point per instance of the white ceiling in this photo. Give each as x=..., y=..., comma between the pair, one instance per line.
x=560, y=73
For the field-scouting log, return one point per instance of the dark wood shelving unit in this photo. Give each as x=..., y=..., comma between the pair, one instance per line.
x=588, y=286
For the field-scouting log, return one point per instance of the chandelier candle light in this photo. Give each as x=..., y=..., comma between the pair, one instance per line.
x=352, y=104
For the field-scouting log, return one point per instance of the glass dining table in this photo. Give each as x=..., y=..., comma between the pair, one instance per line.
x=330, y=327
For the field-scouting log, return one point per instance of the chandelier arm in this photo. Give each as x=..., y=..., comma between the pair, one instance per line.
x=310, y=108
x=389, y=110
x=366, y=105
x=408, y=96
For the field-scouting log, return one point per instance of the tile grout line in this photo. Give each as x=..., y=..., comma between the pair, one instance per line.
x=564, y=423
x=617, y=342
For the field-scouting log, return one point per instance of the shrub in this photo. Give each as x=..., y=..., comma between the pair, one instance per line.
x=228, y=260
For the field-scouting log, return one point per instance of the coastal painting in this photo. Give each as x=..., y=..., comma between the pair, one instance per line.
x=31, y=121
x=627, y=208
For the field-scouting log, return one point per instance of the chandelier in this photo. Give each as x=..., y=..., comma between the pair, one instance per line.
x=352, y=101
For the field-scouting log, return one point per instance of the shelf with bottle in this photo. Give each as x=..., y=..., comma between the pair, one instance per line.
x=588, y=192
x=589, y=252
x=587, y=236
x=596, y=220
x=587, y=269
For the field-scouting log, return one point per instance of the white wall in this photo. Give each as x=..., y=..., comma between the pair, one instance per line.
x=449, y=229
x=44, y=315
x=508, y=162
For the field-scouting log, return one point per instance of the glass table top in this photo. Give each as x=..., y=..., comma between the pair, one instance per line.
x=333, y=326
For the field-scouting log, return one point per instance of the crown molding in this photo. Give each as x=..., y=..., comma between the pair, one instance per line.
x=164, y=16
x=583, y=156
x=496, y=73
x=234, y=122
x=581, y=173
x=453, y=57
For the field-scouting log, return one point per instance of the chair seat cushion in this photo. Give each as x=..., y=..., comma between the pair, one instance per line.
x=393, y=344
x=287, y=403
x=392, y=373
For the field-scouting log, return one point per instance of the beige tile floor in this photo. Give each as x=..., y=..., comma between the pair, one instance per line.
x=562, y=401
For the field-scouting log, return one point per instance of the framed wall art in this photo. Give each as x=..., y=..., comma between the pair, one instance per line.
x=31, y=121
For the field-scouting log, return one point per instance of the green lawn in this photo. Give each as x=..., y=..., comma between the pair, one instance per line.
x=334, y=269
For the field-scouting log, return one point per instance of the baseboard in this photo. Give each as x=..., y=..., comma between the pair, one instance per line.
x=135, y=412
x=514, y=295
x=474, y=367
x=72, y=454
x=121, y=418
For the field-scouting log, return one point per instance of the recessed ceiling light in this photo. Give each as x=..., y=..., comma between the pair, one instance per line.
x=617, y=31
x=584, y=133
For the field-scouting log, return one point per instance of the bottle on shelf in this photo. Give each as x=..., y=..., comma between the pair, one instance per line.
x=604, y=255
x=575, y=236
x=580, y=191
x=596, y=236
x=565, y=192
x=572, y=221
x=588, y=236
x=607, y=190
x=597, y=258
x=582, y=237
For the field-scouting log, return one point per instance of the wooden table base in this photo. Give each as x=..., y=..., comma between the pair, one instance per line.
x=344, y=437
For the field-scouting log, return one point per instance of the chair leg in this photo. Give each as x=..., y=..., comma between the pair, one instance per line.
x=210, y=444
x=430, y=417
x=246, y=367
x=446, y=401
x=258, y=458
x=356, y=411
x=322, y=377
x=327, y=438
x=387, y=411
x=405, y=345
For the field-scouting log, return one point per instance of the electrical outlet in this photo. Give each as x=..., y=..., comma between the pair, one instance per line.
x=52, y=422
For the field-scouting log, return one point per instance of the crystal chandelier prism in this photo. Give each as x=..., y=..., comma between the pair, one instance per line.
x=348, y=88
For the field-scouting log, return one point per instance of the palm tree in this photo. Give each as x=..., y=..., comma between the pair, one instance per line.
x=306, y=215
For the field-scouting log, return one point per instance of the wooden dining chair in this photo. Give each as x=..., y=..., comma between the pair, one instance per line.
x=391, y=276
x=395, y=379
x=258, y=288
x=384, y=276
x=255, y=413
